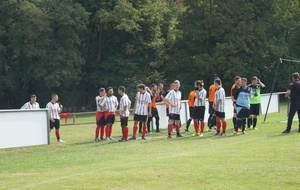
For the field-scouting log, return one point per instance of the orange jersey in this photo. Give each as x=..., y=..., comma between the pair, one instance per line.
x=212, y=90
x=232, y=91
x=191, y=99
x=153, y=102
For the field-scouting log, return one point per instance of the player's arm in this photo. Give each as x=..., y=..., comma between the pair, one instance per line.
x=60, y=108
x=134, y=107
x=24, y=107
x=149, y=109
x=261, y=84
x=101, y=106
x=169, y=102
x=288, y=92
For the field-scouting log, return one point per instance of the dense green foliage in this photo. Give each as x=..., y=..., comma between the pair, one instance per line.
x=73, y=47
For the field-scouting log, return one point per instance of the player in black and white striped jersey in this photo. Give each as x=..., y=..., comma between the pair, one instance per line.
x=173, y=98
x=142, y=109
x=199, y=108
x=100, y=120
x=109, y=106
x=32, y=104
x=54, y=109
x=125, y=104
x=219, y=106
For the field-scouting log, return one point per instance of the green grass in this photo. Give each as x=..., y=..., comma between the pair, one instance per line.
x=263, y=159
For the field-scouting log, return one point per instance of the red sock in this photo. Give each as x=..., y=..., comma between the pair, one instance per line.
x=202, y=127
x=110, y=131
x=107, y=132
x=170, y=128
x=126, y=133
x=177, y=128
x=135, y=128
x=218, y=127
x=123, y=132
x=144, y=130
x=57, y=135
x=97, y=131
x=224, y=125
x=196, y=126
x=102, y=131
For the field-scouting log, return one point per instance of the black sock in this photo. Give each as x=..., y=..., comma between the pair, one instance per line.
x=238, y=124
x=148, y=123
x=254, y=122
x=157, y=123
x=213, y=122
x=188, y=123
x=209, y=120
x=140, y=127
x=243, y=125
x=234, y=121
x=249, y=122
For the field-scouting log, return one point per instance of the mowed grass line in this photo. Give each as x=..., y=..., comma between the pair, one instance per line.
x=263, y=159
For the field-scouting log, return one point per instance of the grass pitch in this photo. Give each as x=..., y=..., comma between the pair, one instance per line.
x=262, y=159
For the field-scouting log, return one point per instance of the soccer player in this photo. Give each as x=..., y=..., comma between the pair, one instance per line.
x=242, y=98
x=255, y=102
x=142, y=109
x=199, y=109
x=294, y=91
x=54, y=109
x=211, y=97
x=154, y=112
x=32, y=104
x=109, y=106
x=125, y=104
x=234, y=87
x=164, y=95
x=219, y=106
x=191, y=103
x=100, y=120
x=160, y=91
x=174, y=99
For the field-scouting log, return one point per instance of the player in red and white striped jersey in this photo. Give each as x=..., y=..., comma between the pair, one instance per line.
x=199, y=108
x=142, y=109
x=32, y=104
x=54, y=109
x=109, y=106
x=219, y=106
x=125, y=104
x=100, y=120
x=173, y=98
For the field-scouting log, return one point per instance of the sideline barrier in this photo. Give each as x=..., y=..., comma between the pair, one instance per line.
x=24, y=128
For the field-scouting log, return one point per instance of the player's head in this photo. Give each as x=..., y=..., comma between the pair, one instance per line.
x=295, y=76
x=141, y=87
x=101, y=91
x=121, y=90
x=54, y=97
x=217, y=82
x=33, y=98
x=160, y=86
x=171, y=86
x=237, y=80
x=176, y=84
x=254, y=80
x=243, y=82
x=153, y=87
x=110, y=91
x=199, y=84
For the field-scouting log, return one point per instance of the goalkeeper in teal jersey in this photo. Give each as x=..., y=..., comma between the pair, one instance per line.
x=255, y=86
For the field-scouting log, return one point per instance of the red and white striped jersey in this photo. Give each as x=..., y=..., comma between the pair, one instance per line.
x=98, y=103
x=110, y=103
x=220, y=95
x=175, y=98
x=201, y=95
x=124, y=101
x=142, y=101
x=53, y=109
x=29, y=106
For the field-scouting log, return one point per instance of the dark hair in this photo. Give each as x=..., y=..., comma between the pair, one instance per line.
x=218, y=81
x=101, y=90
x=108, y=88
x=244, y=79
x=254, y=78
x=152, y=85
x=54, y=94
x=142, y=86
x=199, y=83
x=237, y=78
x=122, y=88
x=33, y=96
x=296, y=75
x=159, y=84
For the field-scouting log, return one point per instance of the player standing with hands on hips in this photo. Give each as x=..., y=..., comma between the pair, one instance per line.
x=54, y=108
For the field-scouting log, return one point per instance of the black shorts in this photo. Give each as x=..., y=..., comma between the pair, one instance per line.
x=173, y=116
x=110, y=119
x=254, y=109
x=199, y=112
x=220, y=114
x=154, y=112
x=167, y=111
x=124, y=121
x=56, y=124
x=191, y=111
x=211, y=110
x=243, y=113
x=141, y=118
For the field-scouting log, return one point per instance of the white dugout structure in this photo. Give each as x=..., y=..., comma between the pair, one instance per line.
x=31, y=127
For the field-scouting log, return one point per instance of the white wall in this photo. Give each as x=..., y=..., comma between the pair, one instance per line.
x=184, y=113
x=23, y=128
